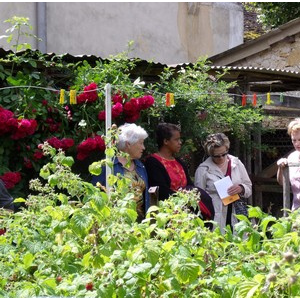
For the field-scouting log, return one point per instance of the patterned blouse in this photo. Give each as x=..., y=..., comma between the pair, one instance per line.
x=138, y=186
x=175, y=172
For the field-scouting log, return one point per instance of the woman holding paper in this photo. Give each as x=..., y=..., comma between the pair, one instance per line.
x=217, y=166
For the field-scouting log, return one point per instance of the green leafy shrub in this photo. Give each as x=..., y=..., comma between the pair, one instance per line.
x=75, y=241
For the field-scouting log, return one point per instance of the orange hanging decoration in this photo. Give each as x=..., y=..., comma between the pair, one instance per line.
x=168, y=99
x=244, y=100
x=254, y=100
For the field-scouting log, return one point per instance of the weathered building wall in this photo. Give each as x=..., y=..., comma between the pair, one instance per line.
x=166, y=32
x=282, y=55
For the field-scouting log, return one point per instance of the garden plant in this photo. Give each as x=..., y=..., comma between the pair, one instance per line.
x=74, y=240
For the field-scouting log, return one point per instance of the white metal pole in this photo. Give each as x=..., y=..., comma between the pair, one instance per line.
x=107, y=126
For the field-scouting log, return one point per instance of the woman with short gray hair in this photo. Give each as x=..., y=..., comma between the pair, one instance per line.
x=218, y=165
x=131, y=141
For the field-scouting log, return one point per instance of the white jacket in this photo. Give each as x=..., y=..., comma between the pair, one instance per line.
x=208, y=172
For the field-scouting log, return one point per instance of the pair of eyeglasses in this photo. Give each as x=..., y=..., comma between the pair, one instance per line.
x=219, y=155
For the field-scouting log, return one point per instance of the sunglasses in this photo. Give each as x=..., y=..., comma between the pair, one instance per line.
x=219, y=155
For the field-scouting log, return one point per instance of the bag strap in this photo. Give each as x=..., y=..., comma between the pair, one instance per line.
x=228, y=172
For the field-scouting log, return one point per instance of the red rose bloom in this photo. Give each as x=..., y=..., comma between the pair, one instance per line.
x=133, y=118
x=63, y=144
x=101, y=115
x=89, y=145
x=10, y=179
x=147, y=101
x=67, y=143
x=37, y=155
x=132, y=107
x=117, y=98
x=7, y=121
x=116, y=110
x=89, y=95
x=25, y=128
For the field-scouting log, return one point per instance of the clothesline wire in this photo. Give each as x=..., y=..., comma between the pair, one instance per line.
x=150, y=91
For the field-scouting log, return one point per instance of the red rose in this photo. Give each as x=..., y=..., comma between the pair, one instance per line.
x=55, y=143
x=132, y=107
x=67, y=143
x=89, y=95
x=101, y=115
x=10, y=179
x=7, y=121
x=148, y=101
x=44, y=102
x=100, y=143
x=116, y=111
x=133, y=118
x=25, y=128
x=37, y=155
x=89, y=145
x=117, y=98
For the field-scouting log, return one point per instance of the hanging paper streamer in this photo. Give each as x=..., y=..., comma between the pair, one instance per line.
x=254, y=100
x=244, y=100
x=268, y=99
x=62, y=96
x=168, y=102
x=172, y=101
x=73, y=97
x=281, y=97
x=169, y=99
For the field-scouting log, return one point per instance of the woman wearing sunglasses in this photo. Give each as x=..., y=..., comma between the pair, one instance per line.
x=218, y=165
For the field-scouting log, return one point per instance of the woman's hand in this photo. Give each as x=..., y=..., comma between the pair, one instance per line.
x=235, y=189
x=282, y=162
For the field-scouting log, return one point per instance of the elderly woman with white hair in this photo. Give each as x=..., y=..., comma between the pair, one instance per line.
x=131, y=141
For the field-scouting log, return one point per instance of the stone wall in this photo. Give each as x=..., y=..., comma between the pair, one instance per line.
x=282, y=55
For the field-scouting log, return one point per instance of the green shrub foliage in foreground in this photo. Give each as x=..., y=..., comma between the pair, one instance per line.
x=72, y=241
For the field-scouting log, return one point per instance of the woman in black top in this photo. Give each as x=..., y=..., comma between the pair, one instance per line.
x=170, y=173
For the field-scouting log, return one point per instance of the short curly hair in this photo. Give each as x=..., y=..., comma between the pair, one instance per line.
x=294, y=126
x=215, y=140
x=131, y=133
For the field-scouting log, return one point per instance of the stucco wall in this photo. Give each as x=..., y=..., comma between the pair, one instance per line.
x=166, y=32
x=282, y=55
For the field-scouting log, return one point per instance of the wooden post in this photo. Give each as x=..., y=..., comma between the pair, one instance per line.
x=286, y=190
x=257, y=163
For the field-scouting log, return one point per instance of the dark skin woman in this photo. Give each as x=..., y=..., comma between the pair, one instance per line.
x=167, y=171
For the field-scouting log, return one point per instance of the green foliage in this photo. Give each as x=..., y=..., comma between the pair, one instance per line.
x=20, y=27
x=86, y=244
x=274, y=14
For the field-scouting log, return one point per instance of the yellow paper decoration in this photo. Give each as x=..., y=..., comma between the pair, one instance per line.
x=172, y=102
x=62, y=96
x=268, y=98
x=73, y=99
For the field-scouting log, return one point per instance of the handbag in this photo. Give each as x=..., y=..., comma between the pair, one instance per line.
x=241, y=207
